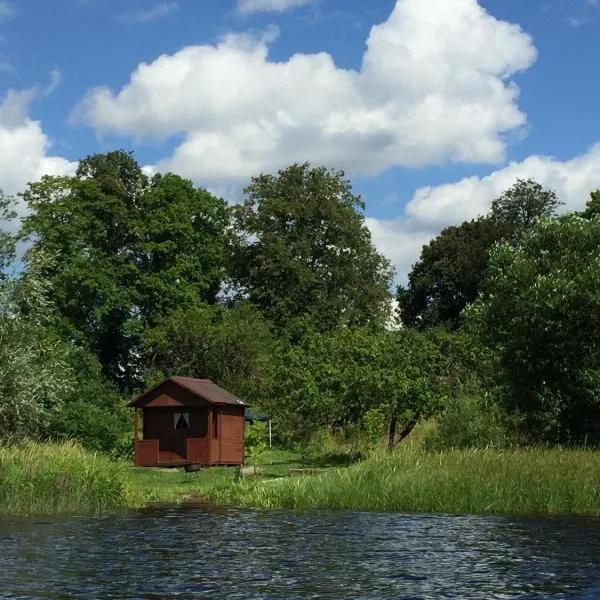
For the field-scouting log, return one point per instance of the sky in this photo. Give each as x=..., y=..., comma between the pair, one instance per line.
x=431, y=107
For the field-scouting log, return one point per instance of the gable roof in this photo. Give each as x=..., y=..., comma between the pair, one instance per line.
x=203, y=388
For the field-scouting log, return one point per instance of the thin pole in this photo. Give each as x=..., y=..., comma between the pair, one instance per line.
x=269, y=433
x=135, y=424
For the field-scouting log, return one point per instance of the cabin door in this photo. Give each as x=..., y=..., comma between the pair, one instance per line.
x=172, y=443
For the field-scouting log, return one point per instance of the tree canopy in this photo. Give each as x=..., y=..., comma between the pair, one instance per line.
x=127, y=250
x=449, y=273
x=303, y=254
x=541, y=314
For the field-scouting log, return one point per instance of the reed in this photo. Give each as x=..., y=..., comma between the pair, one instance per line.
x=59, y=478
x=535, y=481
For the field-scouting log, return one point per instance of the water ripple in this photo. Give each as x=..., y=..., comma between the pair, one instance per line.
x=186, y=552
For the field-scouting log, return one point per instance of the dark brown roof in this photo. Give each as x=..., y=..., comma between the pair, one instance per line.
x=208, y=390
x=203, y=388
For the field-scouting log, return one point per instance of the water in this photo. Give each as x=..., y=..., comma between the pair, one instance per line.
x=191, y=552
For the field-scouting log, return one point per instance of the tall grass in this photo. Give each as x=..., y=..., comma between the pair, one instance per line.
x=59, y=478
x=464, y=482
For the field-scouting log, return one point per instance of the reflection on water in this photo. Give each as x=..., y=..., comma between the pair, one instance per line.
x=187, y=552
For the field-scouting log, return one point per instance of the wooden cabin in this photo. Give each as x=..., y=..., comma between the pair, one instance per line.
x=188, y=421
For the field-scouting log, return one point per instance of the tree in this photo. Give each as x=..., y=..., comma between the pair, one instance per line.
x=230, y=346
x=541, y=314
x=521, y=206
x=35, y=373
x=128, y=250
x=7, y=239
x=592, y=208
x=335, y=379
x=303, y=254
x=448, y=276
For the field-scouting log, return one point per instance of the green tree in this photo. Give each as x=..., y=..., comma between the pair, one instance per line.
x=230, y=346
x=541, y=314
x=334, y=379
x=592, y=208
x=521, y=206
x=303, y=253
x=449, y=273
x=7, y=239
x=35, y=372
x=128, y=250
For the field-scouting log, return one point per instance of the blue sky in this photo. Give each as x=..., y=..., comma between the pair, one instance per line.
x=432, y=107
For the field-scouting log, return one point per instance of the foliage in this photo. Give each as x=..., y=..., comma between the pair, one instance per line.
x=93, y=413
x=35, y=374
x=7, y=239
x=373, y=424
x=449, y=274
x=521, y=206
x=59, y=478
x=255, y=442
x=332, y=380
x=541, y=313
x=128, y=250
x=303, y=254
x=230, y=346
x=469, y=422
x=592, y=208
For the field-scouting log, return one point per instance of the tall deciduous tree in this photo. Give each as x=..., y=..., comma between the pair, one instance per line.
x=448, y=276
x=128, y=250
x=304, y=254
x=541, y=313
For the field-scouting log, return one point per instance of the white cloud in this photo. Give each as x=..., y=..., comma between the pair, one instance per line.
x=422, y=95
x=577, y=21
x=7, y=10
x=245, y=7
x=162, y=9
x=24, y=147
x=433, y=208
x=55, y=81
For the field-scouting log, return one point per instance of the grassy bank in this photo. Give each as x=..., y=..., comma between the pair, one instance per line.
x=53, y=479
x=60, y=478
x=473, y=482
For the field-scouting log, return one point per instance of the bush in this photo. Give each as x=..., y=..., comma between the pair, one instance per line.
x=469, y=422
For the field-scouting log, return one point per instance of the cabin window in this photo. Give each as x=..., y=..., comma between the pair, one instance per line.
x=215, y=423
x=181, y=420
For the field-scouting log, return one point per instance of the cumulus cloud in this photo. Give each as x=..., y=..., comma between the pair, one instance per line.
x=422, y=95
x=245, y=7
x=433, y=208
x=24, y=147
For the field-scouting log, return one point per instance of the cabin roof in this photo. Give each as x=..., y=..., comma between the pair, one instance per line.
x=203, y=388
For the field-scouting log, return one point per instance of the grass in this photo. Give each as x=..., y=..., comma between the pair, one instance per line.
x=59, y=478
x=64, y=478
x=171, y=485
x=463, y=482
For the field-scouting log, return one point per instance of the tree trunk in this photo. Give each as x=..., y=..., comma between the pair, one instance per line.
x=392, y=433
x=392, y=439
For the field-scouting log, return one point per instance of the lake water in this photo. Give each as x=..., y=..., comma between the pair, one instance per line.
x=193, y=552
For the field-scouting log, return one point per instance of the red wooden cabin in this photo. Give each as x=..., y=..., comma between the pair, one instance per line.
x=188, y=421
